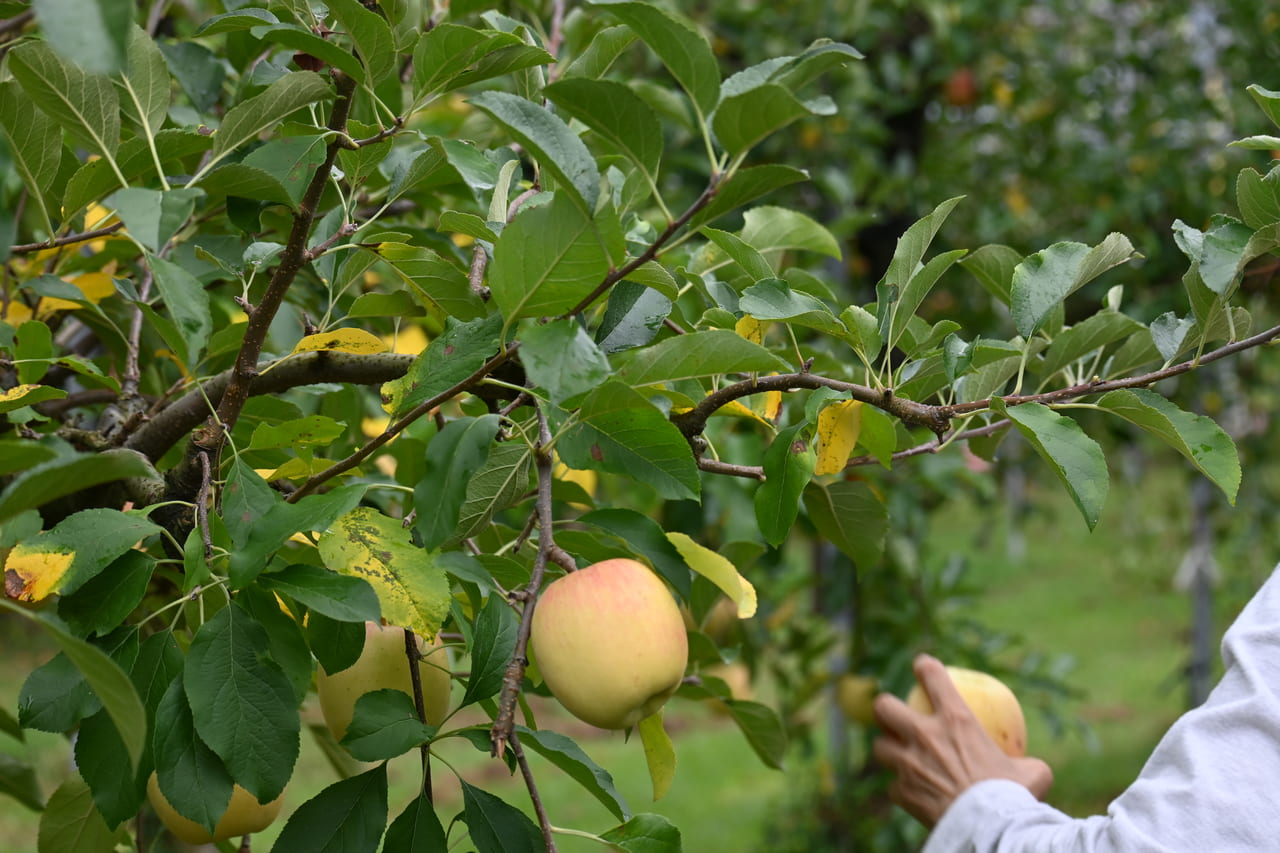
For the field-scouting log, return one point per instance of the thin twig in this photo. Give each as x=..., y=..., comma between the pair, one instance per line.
x=16, y=23
x=475, y=275
x=414, y=654
x=538, y=809
x=66, y=240
x=202, y=505
x=715, y=466
x=504, y=721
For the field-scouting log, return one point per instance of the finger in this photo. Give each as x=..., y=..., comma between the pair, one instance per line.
x=939, y=687
x=1036, y=775
x=895, y=717
x=889, y=752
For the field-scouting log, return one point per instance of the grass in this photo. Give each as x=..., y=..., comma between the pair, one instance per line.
x=1104, y=598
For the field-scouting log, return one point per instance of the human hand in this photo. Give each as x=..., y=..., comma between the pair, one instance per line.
x=936, y=758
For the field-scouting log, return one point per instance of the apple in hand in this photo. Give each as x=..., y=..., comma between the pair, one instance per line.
x=991, y=701
x=383, y=666
x=610, y=642
x=244, y=815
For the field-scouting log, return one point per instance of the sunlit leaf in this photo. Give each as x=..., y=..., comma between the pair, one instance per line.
x=719, y=571
x=659, y=754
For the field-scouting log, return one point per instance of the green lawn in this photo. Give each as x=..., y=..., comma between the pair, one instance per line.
x=1104, y=598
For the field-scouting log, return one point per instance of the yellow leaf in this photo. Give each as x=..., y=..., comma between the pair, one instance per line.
x=839, y=425
x=342, y=340
x=588, y=479
x=374, y=427
x=719, y=571
x=658, y=753
x=751, y=329
x=96, y=286
x=31, y=575
x=17, y=313
x=27, y=395
x=409, y=340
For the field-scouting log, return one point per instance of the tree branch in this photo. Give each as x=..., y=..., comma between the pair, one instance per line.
x=66, y=240
x=538, y=808
x=504, y=721
x=414, y=655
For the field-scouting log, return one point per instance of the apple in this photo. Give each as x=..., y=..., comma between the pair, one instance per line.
x=610, y=642
x=855, y=694
x=737, y=676
x=244, y=816
x=991, y=701
x=382, y=665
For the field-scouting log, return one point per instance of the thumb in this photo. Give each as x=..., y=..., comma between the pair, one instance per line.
x=1035, y=775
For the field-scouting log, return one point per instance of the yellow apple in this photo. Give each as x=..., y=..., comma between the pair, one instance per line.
x=991, y=701
x=244, y=815
x=382, y=665
x=610, y=642
x=855, y=695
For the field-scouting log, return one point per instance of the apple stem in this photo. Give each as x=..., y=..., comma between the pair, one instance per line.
x=414, y=655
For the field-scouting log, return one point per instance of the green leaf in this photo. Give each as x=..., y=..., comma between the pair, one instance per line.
x=340, y=597
x=500, y=483
x=557, y=148
x=603, y=50
x=242, y=181
x=108, y=681
x=384, y=725
x=434, y=281
x=447, y=50
x=633, y=316
x=1205, y=444
x=1085, y=337
x=678, y=43
x=374, y=42
x=152, y=216
x=621, y=431
x=18, y=780
x=850, y=516
x=298, y=38
x=55, y=697
x=84, y=104
x=569, y=757
x=561, y=358
x=188, y=304
x=144, y=85
x=619, y=115
x=772, y=230
x=1258, y=197
x=547, y=261
x=21, y=396
x=192, y=778
x=103, y=602
x=495, y=826
x=35, y=143
x=696, y=355
x=745, y=119
x=287, y=646
x=346, y=817
x=659, y=754
x=993, y=267
x=912, y=295
x=416, y=830
x=788, y=467
x=746, y=256
x=336, y=645
x=772, y=299
x=645, y=833
x=242, y=703
x=1043, y=280
x=492, y=644
x=80, y=546
x=1074, y=457
x=763, y=730
x=907, y=257
x=92, y=33
x=236, y=20
x=71, y=823
x=411, y=586
x=252, y=116
x=648, y=540
x=292, y=162
x=450, y=359
x=454, y=456
x=746, y=186
x=103, y=761
x=281, y=521
x=1268, y=101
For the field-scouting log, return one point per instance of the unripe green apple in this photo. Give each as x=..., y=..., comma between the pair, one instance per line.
x=990, y=700
x=610, y=643
x=383, y=666
x=244, y=815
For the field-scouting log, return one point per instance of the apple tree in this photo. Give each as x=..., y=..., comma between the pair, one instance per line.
x=319, y=317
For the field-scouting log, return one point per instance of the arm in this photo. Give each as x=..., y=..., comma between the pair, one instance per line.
x=1212, y=784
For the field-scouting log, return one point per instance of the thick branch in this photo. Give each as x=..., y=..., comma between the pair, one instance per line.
x=650, y=253
x=403, y=423
x=291, y=262
x=175, y=421
x=504, y=721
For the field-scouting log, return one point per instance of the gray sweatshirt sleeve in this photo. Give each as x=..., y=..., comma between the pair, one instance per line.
x=1211, y=786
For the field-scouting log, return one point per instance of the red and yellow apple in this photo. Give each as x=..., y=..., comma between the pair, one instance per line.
x=990, y=700
x=244, y=816
x=610, y=642
x=383, y=665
